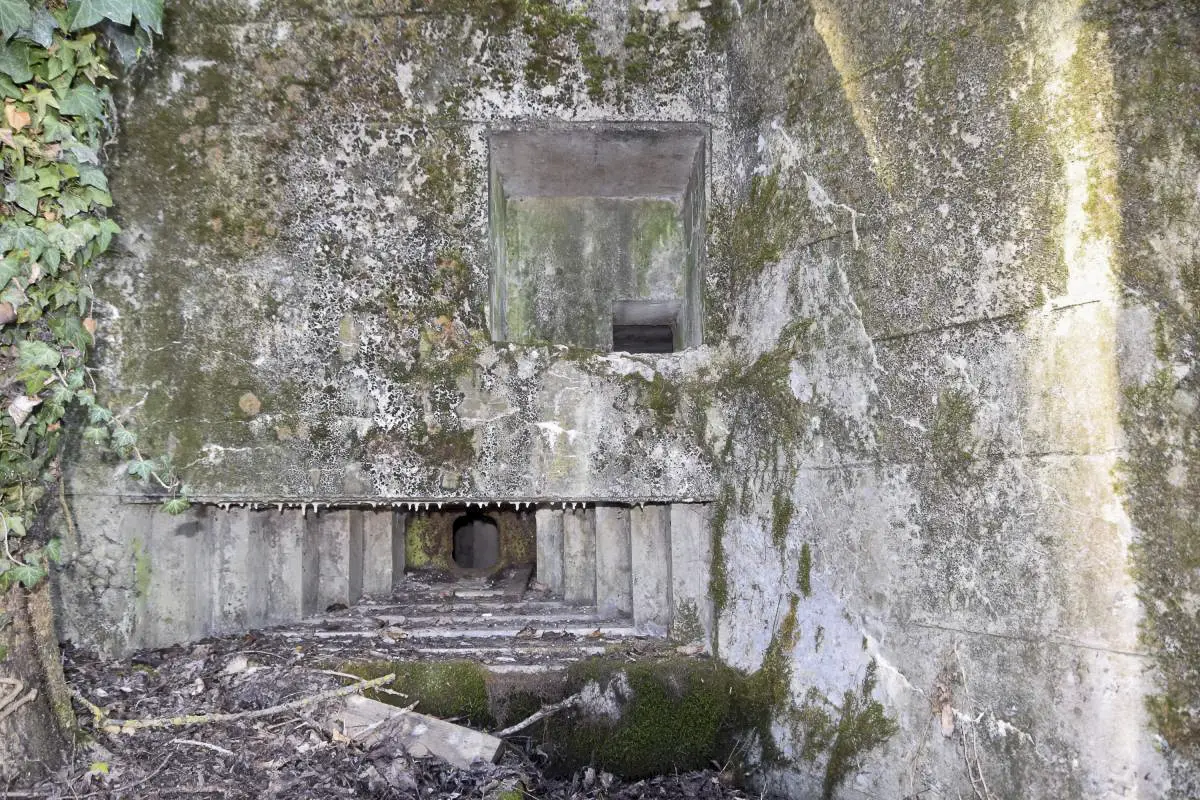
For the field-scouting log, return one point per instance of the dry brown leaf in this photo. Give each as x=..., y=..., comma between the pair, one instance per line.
x=7, y=313
x=89, y=325
x=17, y=118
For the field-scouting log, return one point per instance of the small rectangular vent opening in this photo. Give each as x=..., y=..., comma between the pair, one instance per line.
x=643, y=338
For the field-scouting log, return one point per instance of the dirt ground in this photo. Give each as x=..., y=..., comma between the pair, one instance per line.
x=284, y=755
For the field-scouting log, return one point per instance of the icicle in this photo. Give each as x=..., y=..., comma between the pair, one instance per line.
x=280, y=504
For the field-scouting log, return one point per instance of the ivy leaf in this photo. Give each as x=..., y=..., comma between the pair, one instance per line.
x=41, y=29
x=24, y=195
x=95, y=435
x=123, y=439
x=53, y=550
x=14, y=15
x=141, y=469
x=85, y=13
x=176, y=505
x=93, y=176
x=149, y=14
x=38, y=354
x=81, y=101
x=14, y=61
x=129, y=43
x=25, y=574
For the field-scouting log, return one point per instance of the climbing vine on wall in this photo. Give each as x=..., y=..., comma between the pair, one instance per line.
x=57, y=111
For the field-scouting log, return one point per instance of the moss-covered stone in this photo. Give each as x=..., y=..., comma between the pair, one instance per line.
x=671, y=715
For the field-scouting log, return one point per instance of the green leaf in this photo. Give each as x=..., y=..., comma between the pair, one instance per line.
x=25, y=195
x=95, y=435
x=85, y=13
x=14, y=61
x=81, y=100
x=141, y=469
x=130, y=43
x=123, y=439
x=41, y=30
x=98, y=414
x=93, y=176
x=176, y=505
x=38, y=354
x=25, y=574
x=14, y=15
x=149, y=14
x=53, y=550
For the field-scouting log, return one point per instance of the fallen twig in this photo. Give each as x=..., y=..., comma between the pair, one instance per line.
x=130, y=725
x=13, y=700
x=544, y=712
x=379, y=689
x=213, y=747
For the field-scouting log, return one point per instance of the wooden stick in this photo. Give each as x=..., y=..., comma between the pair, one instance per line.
x=537, y=716
x=213, y=747
x=131, y=725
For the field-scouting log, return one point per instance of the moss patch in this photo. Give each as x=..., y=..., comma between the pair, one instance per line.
x=442, y=689
x=782, y=510
x=677, y=714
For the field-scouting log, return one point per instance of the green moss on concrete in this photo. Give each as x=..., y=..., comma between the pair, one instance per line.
x=760, y=228
x=443, y=689
x=782, y=510
x=952, y=438
x=718, y=582
x=861, y=726
x=142, y=571
x=677, y=715
x=423, y=548
x=804, y=570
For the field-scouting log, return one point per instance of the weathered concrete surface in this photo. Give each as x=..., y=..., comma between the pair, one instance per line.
x=614, y=577
x=549, y=522
x=691, y=573
x=579, y=556
x=950, y=288
x=650, y=557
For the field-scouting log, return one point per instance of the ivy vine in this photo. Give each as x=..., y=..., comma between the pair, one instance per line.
x=57, y=111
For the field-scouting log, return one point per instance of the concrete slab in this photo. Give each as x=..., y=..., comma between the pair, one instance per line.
x=277, y=543
x=379, y=531
x=549, y=523
x=579, y=556
x=332, y=542
x=614, y=594
x=650, y=545
x=370, y=721
x=237, y=585
x=691, y=564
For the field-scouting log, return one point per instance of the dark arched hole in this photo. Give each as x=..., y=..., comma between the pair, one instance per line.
x=476, y=542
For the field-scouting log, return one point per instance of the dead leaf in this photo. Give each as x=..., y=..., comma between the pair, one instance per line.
x=7, y=313
x=21, y=407
x=947, y=720
x=17, y=118
x=89, y=325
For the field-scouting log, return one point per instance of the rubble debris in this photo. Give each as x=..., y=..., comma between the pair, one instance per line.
x=290, y=754
x=370, y=722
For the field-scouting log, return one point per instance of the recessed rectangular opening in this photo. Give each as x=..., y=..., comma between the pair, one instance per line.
x=643, y=338
x=584, y=218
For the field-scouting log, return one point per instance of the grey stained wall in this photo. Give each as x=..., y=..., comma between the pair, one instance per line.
x=945, y=405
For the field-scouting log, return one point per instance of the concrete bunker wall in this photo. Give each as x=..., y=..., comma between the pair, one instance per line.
x=917, y=373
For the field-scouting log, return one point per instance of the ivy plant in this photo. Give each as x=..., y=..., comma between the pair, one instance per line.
x=54, y=223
